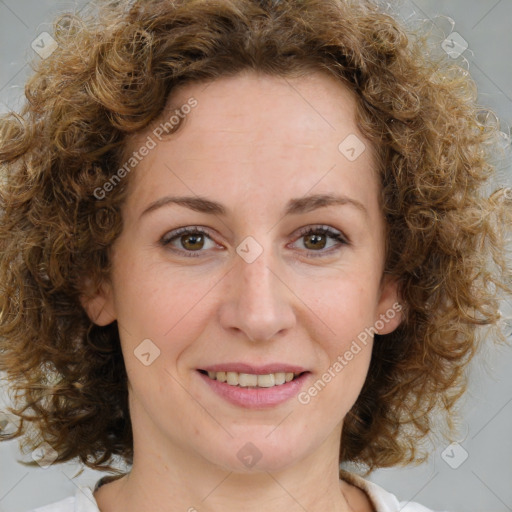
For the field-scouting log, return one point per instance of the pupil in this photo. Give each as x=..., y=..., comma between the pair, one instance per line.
x=192, y=241
x=316, y=241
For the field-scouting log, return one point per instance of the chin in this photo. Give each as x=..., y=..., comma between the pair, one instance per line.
x=263, y=450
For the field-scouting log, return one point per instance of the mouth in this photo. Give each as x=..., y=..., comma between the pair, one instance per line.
x=262, y=389
x=251, y=380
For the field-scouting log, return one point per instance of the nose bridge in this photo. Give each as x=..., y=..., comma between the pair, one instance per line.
x=258, y=290
x=257, y=280
x=259, y=304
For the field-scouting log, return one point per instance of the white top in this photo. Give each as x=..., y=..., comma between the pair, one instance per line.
x=382, y=501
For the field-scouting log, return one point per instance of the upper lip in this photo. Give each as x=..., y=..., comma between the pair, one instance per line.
x=252, y=369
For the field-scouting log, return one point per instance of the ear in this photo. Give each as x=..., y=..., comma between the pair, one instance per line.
x=389, y=309
x=98, y=303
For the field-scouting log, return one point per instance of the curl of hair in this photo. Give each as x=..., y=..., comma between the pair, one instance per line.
x=111, y=76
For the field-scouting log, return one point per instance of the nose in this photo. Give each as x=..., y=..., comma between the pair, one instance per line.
x=257, y=300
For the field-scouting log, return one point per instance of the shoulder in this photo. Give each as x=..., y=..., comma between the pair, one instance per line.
x=82, y=501
x=382, y=500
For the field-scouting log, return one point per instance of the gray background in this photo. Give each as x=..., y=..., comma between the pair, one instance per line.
x=481, y=482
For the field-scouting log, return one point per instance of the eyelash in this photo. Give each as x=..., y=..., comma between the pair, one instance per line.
x=194, y=230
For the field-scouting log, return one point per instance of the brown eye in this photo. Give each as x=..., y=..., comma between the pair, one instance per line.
x=192, y=242
x=315, y=241
x=188, y=241
x=321, y=240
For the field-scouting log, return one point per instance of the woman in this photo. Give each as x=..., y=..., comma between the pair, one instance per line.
x=243, y=242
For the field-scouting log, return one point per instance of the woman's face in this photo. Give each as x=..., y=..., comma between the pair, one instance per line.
x=281, y=272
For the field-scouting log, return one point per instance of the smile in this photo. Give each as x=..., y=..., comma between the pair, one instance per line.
x=254, y=391
x=249, y=380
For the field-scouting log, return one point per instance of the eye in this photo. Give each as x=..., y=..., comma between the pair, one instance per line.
x=191, y=241
x=316, y=239
x=188, y=240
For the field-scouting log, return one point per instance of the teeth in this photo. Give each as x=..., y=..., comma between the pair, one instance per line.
x=280, y=378
x=266, y=381
x=232, y=378
x=246, y=380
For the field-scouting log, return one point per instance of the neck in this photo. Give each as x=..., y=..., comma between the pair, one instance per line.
x=175, y=479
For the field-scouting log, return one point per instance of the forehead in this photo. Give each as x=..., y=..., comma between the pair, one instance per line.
x=259, y=133
x=268, y=110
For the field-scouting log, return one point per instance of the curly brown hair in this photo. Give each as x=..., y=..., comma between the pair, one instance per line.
x=111, y=76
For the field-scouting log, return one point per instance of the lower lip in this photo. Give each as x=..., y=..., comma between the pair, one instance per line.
x=256, y=398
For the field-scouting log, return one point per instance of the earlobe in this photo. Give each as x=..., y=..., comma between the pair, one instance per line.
x=389, y=311
x=99, y=304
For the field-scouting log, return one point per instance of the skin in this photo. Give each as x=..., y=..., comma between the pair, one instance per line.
x=252, y=143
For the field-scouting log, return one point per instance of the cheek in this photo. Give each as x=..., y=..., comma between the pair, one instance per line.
x=344, y=305
x=341, y=379
x=347, y=311
x=152, y=302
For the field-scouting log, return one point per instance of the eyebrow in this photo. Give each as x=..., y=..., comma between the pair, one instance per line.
x=294, y=206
